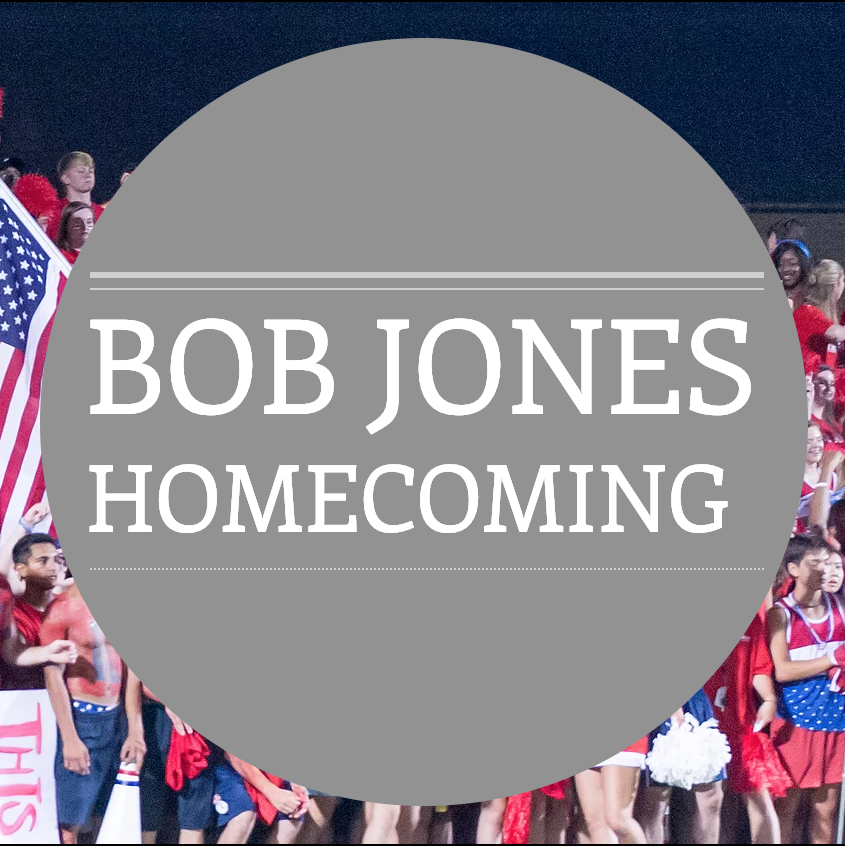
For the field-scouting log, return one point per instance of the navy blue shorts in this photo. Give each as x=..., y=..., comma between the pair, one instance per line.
x=77, y=796
x=230, y=788
x=195, y=798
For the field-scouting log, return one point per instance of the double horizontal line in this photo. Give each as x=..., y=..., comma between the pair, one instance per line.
x=427, y=275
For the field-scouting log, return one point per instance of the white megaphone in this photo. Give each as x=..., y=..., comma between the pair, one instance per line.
x=122, y=821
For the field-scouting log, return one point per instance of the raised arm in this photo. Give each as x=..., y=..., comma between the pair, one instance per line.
x=820, y=501
x=28, y=522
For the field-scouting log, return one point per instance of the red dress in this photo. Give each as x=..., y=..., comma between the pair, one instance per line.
x=755, y=765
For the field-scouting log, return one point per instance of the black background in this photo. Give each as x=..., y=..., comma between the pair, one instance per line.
x=758, y=90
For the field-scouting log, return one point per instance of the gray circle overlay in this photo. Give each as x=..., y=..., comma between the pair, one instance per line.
x=461, y=666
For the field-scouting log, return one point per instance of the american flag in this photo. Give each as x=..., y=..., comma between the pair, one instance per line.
x=33, y=273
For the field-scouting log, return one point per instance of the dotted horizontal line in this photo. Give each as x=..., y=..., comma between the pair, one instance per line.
x=400, y=570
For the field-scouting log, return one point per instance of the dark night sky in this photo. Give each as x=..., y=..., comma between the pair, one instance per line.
x=758, y=90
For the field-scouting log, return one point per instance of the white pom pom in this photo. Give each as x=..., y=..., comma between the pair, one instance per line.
x=689, y=754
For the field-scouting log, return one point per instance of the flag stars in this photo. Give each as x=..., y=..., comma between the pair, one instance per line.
x=4, y=326
x=13, y=305
x=17, y=320
x=20, y=250
x=7, y=289
x=21, y=336
x=25, y=265
x=32, y=295
x=28, y=281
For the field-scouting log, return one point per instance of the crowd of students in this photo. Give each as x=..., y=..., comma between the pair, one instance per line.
x=779, y=697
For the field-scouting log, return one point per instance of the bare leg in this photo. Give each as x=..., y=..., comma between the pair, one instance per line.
x=590, y=788
x=708, y=807
x=148, y=837
x=238, y=830
x=414, y=824
x=620, y=794
x=441, y=828
x=733, y=811
x=537, y=819
x=70, y=834
x=765, y=827
x=577, y=833
x=824, y=803
x=490, y=821
x=284, y=832
x=651, y=806
x=549, y=819
x=317, y=826
x=190, y=836
x=786, y=808
x=383, y=823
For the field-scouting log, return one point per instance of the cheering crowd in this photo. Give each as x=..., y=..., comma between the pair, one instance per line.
x=777, y=703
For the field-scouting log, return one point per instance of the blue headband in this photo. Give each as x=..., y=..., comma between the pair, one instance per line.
x=799, y=244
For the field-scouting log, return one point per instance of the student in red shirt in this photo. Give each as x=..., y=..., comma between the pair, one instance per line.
x=75, y=225
x=76, y=173
x=36, y=565
x=15, y=653
x=97, y=703
x=816, y=318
